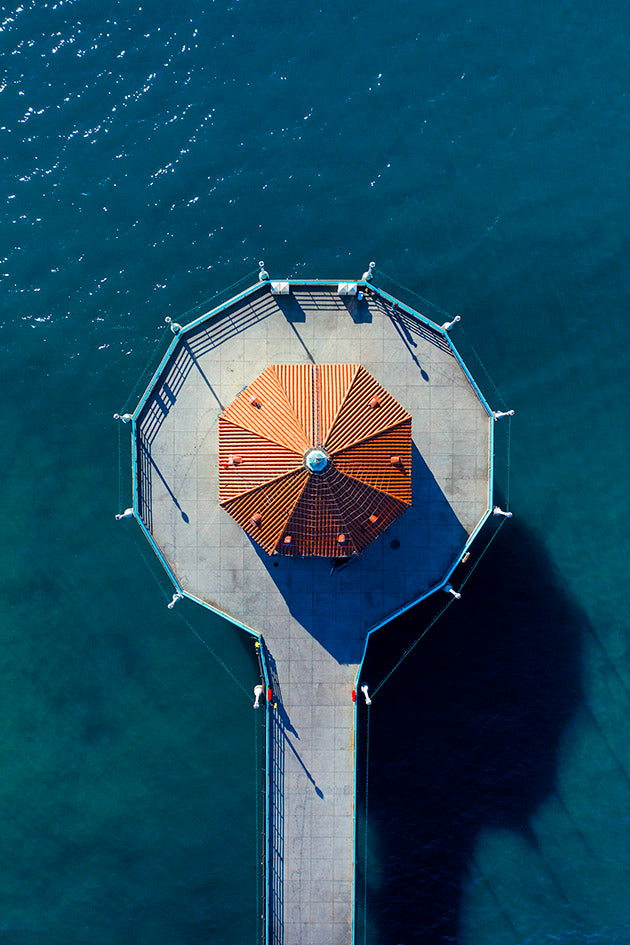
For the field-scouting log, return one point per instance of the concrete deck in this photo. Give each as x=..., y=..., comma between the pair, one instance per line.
x=314, y=623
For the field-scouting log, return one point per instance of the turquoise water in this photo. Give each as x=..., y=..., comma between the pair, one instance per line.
x=151, y=155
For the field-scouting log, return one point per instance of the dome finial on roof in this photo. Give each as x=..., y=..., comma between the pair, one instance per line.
x=316, y=460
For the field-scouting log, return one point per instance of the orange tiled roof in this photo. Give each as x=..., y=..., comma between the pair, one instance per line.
x=266, y=484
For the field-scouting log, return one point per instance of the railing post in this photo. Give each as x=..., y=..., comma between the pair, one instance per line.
x=258, y=691
x=175, y=598
x=174, y=326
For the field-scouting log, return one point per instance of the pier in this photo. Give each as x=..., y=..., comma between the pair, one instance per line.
x=311, y=613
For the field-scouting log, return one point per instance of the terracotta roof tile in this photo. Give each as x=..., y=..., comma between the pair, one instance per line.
x=297, y=382
x=357, y=419
x=269, y=428
x=274, y=502
x=272, y=416
x=370, y=461
x=260, y=460
x=333, y=504
x=334, y=383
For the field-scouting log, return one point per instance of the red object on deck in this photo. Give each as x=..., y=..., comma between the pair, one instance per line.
x=269, y=695
x=354, y=695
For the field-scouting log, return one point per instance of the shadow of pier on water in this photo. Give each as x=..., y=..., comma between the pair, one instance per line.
x=466, y=734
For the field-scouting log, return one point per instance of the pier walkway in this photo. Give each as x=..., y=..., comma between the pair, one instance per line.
x=313, y=620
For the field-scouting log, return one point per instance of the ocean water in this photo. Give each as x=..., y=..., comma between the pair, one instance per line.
x=151, y=154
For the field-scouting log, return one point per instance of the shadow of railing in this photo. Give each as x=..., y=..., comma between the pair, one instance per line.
x=164, y=394
x=231, y=321
x=281, y=732
x=184, y=358
x=147, y=468
x=409, y=327
x=276, y=857
x=144, y=475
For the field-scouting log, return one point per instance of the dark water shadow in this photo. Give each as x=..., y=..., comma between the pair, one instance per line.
x=465, y=734
x=427, y=539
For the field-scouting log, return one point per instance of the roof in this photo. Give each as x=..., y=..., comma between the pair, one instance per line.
x=314, y=459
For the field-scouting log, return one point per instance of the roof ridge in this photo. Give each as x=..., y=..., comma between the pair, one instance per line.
x=290, y=507
x=326, y=374
x=264, y=408
x=243, y=509
x=238, y=475
x=368, y=439
x=304, y=389
x=347, y=527
x=368, y=408
x=382, y=461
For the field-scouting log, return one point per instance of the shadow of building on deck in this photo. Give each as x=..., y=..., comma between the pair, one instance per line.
x=417, y=548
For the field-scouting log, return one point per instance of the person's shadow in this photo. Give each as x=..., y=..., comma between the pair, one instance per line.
x=464, y=734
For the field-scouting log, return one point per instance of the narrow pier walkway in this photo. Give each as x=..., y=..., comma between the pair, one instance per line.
x=313, y=622
x=312, y=814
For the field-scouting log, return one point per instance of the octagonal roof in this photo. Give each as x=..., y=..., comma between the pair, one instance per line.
x=315, y=459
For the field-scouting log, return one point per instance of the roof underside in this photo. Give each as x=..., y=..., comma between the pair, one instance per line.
x=263, y=438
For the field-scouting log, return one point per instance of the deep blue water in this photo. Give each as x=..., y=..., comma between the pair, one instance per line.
x=151, y=155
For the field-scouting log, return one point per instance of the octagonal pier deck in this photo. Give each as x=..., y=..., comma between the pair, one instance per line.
x=313, y=620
